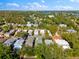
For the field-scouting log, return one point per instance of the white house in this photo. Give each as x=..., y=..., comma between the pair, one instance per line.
x=29, y=41
x=9, y=33
x=36, y=32
x=42, y=32
x=19, y=30
x=29, y=24
x=50, y=34
x=10, y=41
x=35, y=25
x=71, y=31
x=24, y=30
x=62, y=25
x=18, y=44
x=61, y=42
x=30, y=32
x=50, y=16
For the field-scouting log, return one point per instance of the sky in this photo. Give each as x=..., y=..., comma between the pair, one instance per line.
x=39, y=4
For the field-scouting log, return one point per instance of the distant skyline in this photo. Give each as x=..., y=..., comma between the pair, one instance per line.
x=39, y=4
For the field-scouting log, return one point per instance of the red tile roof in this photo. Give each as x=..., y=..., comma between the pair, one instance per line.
x=56, y=36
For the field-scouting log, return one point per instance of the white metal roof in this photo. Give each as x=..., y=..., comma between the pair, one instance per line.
x=42, y=32
x=8, y=42
x=66, y=47
x=62, y=42
x=62, y=25
x=18, y=43
x=71, y=30
x=30, y=32
x=36, y=32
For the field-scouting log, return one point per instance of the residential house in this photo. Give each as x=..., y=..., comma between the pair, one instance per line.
x=62, y=25
x=10, y=41
x=42, y=32
x=35, y=25
x=49, y=33
x=9, y=33
x=24, y=30
x=36, y=32
x=38, y=40
x=30, y=32
x=18, y=44
x=71, y=31
x=61, y=42
x=50, y=16
x=29, y=24
x=29, y=41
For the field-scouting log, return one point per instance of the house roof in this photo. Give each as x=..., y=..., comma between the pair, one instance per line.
x=62, y=42
x=57, y=36
x=18, y=43
x=71, y=30
x=8, y=42
x=62, y=25
x=29, y=41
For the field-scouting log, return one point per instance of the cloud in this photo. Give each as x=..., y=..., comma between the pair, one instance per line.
x=77, y=1
x=35, y=6
x=27, y=6
x=63, y=7
x=43, y=1
x=13, y=4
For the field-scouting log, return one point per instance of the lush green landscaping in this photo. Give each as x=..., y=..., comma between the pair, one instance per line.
x=44, y=22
